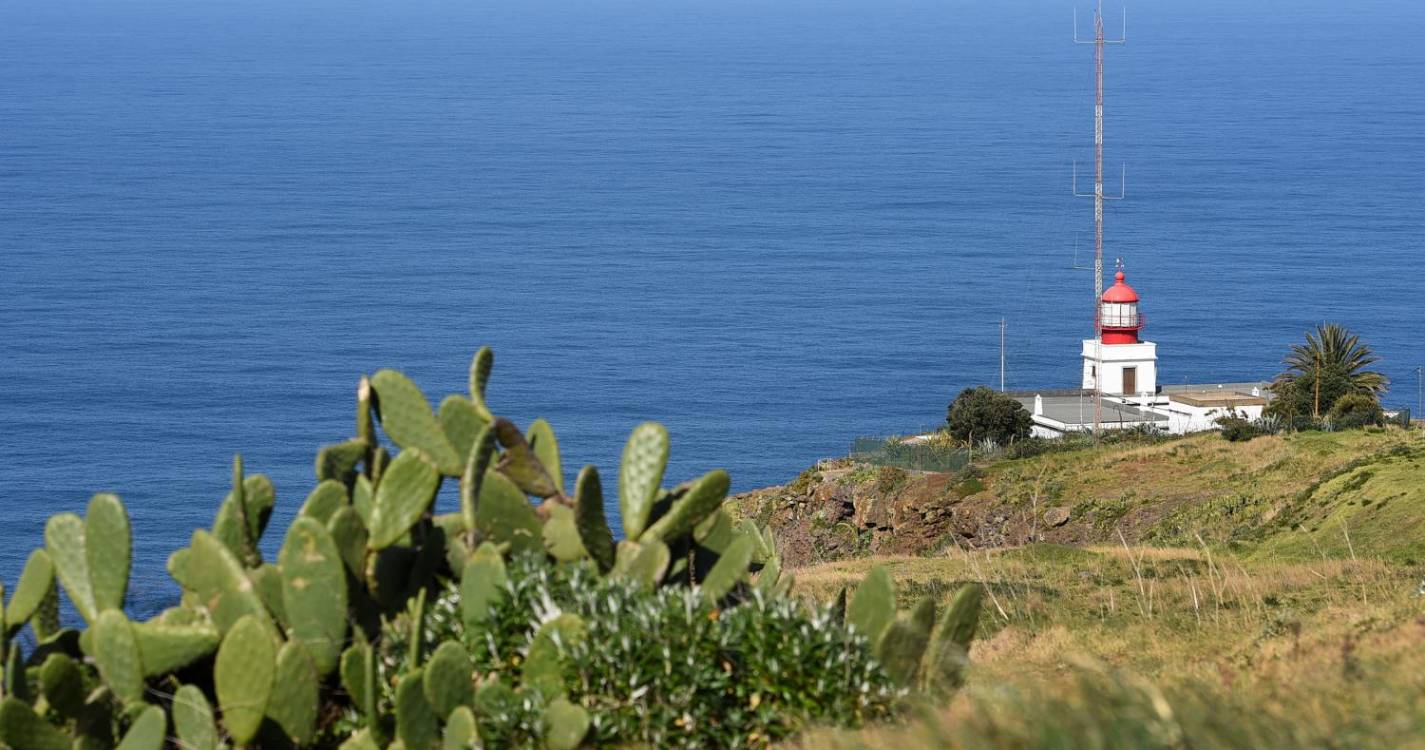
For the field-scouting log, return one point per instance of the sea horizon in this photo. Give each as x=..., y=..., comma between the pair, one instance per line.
x=773, y=228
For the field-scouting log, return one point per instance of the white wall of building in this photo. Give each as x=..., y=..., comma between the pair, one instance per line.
x=1107, y=362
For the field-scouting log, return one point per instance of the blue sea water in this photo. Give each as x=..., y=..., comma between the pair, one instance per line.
x=774, y=226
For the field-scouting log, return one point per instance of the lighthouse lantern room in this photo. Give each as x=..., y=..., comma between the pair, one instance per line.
x=1117, y=361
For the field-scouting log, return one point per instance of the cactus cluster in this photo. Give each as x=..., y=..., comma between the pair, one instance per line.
x=916, y=650
x=331, y=643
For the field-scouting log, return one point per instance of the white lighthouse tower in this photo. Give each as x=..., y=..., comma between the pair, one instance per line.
x=1118, y=363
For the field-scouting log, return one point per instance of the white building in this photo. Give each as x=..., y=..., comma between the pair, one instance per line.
x=1125, y=371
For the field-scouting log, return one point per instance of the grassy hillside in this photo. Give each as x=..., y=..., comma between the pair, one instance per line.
x=1201, y=594
x=1296, y=496
x=1167, y=648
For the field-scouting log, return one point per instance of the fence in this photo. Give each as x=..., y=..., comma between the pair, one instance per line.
x=927, y=455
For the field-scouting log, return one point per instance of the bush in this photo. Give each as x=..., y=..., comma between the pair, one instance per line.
x=664, y=667
x=1354, y=411
x=980, y=413
x=939, y=453
x=506, y=624
x=1237, y=429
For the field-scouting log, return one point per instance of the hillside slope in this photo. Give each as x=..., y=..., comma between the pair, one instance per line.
x=1294, y=495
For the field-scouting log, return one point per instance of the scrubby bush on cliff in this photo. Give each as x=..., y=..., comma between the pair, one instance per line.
x=1355, y=410
x=1237, y=428
x=980, y=413
x=505, y=624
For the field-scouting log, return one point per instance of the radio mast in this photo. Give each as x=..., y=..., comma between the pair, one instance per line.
x=1098, y=197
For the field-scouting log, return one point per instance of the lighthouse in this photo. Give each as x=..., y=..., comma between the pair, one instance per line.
x=1117, y=361
x=1120, y=388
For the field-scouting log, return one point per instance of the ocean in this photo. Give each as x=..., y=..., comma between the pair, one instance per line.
x=773, y=226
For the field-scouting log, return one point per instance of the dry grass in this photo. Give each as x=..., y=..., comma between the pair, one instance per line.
x=1237, y=651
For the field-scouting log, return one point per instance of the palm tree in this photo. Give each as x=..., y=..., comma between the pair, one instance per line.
x=1334, y=358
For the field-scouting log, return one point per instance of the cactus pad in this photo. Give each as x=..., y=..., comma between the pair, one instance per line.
x=482, y=583
x=593, y=527
x=325, y=500
x=416, y=721
x=645, y=458
x=64, y=541
x=147, y=731
x=546, y=448
x=338, y=462
x=505, y=516
x=700, y=501
x=22, y=728
x=461, y=422
x=243, y=675
x=646, y=562
x=873, y=606
x=164, y=648
x=565, y=725
x=62, y=684
x=948, y=652
x=363, y=498
x=447, y=678
x=460, y=730
x=193, y=720
x=561, y=535
x=407, y=418
x=294, y=701
x=107, y=547
x=520, y=463
x=314, y=592
x=477, y=462
x=405, y=493
x=729, y=570
x=116, y=654
x=543, y=668
x=36, y=581
x=348, y=533
x=480, y=366
x=903, y=644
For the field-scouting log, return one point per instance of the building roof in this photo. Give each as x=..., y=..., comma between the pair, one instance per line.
x=1216, y=399
x=1076, y=408
x=1259, y=385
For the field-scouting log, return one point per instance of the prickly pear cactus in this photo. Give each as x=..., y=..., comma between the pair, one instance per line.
x=381, y=624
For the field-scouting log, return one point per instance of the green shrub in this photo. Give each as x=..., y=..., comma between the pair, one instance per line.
x=1354, y=411
x=506, y=624
x=667, y=667
x=980, y=413
x=1237, y=429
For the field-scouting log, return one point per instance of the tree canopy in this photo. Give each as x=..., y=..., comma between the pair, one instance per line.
x=1331, y=364
x=981, y=413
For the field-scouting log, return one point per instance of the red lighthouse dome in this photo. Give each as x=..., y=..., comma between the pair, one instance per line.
x=1118, y=318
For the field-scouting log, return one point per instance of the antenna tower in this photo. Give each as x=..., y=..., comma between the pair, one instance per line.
x=1098, y=43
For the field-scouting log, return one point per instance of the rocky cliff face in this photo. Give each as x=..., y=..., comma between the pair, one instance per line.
x=840, y=509
x=1168, y=492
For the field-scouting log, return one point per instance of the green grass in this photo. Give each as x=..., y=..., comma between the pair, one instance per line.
x=1109, y=647
x=1375, y=508
x=1173, y=492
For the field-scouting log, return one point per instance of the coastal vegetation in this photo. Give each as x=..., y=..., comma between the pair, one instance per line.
x=984, y=414
x=1144, y=590
x=1332, y=364
x=509, y=623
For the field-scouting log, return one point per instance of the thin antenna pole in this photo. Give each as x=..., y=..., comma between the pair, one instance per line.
x=1420, y=392
x=1098, y=214
x=1098, y=198
x=1001, y=355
